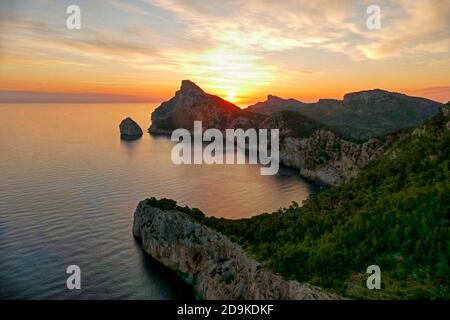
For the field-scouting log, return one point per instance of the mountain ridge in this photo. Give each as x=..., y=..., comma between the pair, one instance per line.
x=319, y=150
x=359, y=115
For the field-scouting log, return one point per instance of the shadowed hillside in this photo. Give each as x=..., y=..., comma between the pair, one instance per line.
x=361, y=115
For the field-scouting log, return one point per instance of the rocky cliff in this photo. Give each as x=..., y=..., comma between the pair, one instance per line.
x=318, y=150
x=326, y=157
x=191, y=103
x=216, y=267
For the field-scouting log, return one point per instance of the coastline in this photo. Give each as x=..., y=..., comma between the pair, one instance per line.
x=215, y=267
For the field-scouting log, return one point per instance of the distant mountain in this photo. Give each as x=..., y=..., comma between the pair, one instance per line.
x=361, y=115
x=276, y=104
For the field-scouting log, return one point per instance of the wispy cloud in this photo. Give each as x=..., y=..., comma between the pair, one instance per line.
x=247, y=47
x=436, y=93
x=423, y=28
x=339, y=26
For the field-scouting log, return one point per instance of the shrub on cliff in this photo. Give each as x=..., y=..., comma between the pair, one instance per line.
x=169, y=204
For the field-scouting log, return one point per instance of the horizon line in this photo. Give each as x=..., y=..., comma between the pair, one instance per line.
x=36, y=97
x=25, y=96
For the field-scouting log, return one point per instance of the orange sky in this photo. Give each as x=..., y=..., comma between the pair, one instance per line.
x=240, y=50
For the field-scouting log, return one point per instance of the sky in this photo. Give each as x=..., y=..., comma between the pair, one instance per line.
x=241, y=50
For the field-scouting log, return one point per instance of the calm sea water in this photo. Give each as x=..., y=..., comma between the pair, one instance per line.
x=69, y=187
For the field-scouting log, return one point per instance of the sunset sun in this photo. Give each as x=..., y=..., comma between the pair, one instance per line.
x=231, y=96
x=228, y=73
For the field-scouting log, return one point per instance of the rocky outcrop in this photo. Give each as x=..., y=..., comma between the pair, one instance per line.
x=129, y=129
x=216, y=267
x=191, y=103
x=319, y=152
x=326, y=157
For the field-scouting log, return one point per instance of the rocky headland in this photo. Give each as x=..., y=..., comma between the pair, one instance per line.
x=216, y=267
x=320, y=148
x=191, y=103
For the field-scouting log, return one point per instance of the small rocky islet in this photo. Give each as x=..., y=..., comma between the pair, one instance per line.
x=129, y=129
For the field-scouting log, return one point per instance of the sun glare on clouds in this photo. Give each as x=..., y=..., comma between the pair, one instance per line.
x=239, y=50
x=228, y=72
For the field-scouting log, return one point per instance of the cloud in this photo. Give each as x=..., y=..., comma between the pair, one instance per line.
x=444, y=90
x=441, y=94
x=338, y=26
x=30, y=40
x=262, y=25
x=422, y=28
x=129, y=8
x=244, y=46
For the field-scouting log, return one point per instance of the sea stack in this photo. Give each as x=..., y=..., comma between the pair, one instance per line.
x=129, y=129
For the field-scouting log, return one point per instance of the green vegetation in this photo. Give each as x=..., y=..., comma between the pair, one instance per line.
x=169, y=204
x=396, y=215
x=298, y=124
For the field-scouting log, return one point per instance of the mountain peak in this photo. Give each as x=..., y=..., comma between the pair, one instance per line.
x=271, y=97
x=368, y=94
x=190, y=87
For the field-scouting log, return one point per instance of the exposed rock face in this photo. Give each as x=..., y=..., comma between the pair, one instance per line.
x=361, y=115
x=216, y=267
x=129, y=129
x=191, y=103
x=317, y=150
x=328, y=158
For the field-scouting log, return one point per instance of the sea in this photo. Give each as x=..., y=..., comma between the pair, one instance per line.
x=69, y=187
